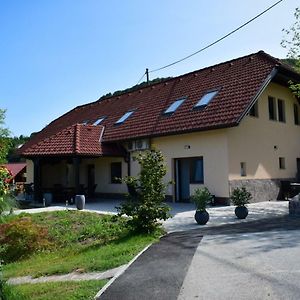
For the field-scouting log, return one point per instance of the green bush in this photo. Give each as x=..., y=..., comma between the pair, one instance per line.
x=6, y=201
x=201, y=198
x=240, y=196
x=20, y=238
x=146, y=207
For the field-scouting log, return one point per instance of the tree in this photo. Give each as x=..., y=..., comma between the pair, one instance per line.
x=144, y=205
x=4, y=137
x=291, y=42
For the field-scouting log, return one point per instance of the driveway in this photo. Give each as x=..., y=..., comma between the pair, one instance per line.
x=256, y=258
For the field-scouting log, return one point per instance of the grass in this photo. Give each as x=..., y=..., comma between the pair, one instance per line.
x=79, y=240
x=70, y=290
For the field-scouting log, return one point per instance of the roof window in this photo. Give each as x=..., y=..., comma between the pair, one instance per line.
x=124, y=117
x=85, y=122
x=173, y=107
x=99, y=121
x=206, y=98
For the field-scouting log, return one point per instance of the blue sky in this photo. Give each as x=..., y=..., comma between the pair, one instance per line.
x=55, y=55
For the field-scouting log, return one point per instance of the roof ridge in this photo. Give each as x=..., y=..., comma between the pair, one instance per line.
x=260, y=52
x=77, y=138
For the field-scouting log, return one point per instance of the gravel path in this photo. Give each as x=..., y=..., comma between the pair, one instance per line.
x=74, y=276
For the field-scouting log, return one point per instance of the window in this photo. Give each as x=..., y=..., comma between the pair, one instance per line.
x=254, y=110
x=173, y=107
x=85, y=122
x=243, y=169
x=281, y=110
x=99, y=121
x=124, y=117
x=205, y=99
x=115, y=172
x=281, y=163
x=296, y=114
x=272, y=108
x=196, y=170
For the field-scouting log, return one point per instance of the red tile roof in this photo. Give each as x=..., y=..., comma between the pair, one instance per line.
x=78, y=139
x=15, y=168
x=239, y=81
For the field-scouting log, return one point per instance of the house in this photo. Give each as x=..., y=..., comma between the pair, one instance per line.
x=17, y=171
x=235, y=123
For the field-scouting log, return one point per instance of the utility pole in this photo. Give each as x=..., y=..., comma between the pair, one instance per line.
x=147, y=75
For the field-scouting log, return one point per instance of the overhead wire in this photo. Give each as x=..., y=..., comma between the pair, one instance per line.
x=217, y=41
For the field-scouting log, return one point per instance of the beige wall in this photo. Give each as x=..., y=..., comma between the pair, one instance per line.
x=254, y=139
x=212, y=145
x=29, y=171
x=102, y=174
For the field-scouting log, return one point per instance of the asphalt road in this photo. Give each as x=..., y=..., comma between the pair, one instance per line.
x=254, y=260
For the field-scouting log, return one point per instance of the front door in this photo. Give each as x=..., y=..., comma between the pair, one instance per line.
x=182, y=179
x=187, y=171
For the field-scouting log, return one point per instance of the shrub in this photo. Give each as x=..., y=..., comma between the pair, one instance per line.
x=240, y=196
x=201, y=198
x=6, y=201
x=145, y=206
x=21, y=238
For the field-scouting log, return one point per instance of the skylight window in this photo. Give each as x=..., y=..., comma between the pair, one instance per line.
x=206, y=98
x=124, y=117
x=85, y=122
x=173, y=107
x=99, y=121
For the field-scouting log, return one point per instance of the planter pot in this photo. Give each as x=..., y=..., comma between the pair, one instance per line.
x=241, y=212
x=201, y=217
x=80, y=201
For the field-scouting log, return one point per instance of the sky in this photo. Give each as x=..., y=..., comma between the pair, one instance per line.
x=58, y=54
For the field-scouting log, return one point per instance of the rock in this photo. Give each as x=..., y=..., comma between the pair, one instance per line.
x=294, y=206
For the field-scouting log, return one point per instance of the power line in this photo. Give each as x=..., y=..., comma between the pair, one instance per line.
x=217, y=41
x=141, y=78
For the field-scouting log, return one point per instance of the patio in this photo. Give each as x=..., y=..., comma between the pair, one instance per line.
x=183, y=213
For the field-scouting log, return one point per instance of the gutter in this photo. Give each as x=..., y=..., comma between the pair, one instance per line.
x=259, y=92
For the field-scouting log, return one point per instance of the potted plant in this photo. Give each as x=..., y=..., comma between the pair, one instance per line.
x=240, y=197
x=201, y=198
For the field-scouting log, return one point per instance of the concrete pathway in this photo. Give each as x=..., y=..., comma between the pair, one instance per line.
x=183, y=213
x=249, y=260
x=74, y=276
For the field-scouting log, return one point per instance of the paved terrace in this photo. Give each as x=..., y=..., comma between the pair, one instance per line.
x=183, y=213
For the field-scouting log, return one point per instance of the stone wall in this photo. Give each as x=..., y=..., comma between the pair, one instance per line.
x=261, y=189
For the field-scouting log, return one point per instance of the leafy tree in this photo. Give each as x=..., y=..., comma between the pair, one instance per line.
x=291, y=42
x=144, y=204
x=4, y=137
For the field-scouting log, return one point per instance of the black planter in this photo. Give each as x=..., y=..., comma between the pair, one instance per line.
x=241, y=212
x=80, y=201
x=201, y=217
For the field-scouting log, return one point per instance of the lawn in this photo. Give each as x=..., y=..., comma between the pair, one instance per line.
x=67, y=241
x=81, y=290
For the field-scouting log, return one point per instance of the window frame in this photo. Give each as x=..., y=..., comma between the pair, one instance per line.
x=99, y=121
x=274, y=108
x=198, y=105
x=296, y=114
x=282, y=163
x=124, y=117
x=281, y=110
x=113, y=175
x=180, y=101
x=193, y=168
x=253, y=112
x=243, y=169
